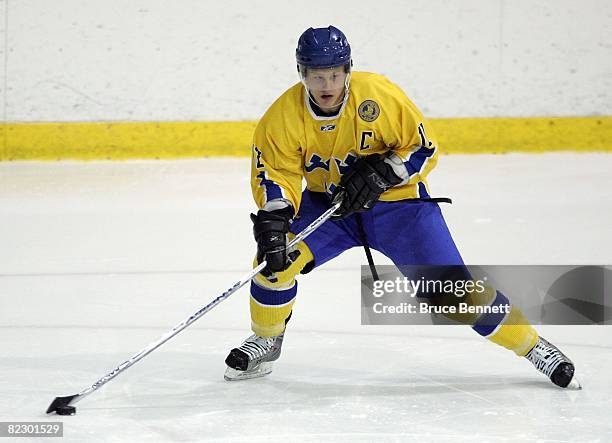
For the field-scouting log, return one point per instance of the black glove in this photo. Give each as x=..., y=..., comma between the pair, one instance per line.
x=270, y=229
x=362, y=185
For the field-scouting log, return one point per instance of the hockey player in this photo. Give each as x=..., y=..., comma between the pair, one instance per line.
x=356, y=138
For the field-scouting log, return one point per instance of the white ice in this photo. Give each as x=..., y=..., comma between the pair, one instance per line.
x=99, y=259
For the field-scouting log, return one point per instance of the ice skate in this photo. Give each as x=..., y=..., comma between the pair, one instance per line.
x=554, y=364
x=253, y=358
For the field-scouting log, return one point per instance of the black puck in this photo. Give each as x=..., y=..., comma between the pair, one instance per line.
x=65, y=410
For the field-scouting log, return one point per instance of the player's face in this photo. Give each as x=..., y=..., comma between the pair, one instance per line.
x=326, y=87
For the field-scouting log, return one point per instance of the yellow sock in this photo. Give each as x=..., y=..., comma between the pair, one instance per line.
x=515, y=333
x=269, y=321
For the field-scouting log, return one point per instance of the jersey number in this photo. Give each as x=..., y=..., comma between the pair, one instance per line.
x=257, y=153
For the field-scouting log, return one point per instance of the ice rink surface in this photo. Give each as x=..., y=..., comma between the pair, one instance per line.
x=99, y=259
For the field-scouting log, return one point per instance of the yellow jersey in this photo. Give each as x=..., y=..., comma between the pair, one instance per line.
x=292, y=143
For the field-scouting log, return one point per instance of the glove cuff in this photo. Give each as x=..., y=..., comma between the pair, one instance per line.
x=272, y=221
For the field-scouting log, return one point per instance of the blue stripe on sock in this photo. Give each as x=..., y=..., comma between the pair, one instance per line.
x=272, y=298
x=488, y=322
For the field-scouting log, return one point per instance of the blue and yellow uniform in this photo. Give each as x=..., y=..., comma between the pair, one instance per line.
x=293, y=143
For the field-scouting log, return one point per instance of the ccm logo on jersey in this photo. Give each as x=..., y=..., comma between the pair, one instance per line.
x=326, y=128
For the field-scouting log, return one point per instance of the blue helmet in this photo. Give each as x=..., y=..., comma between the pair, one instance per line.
x=323, y=48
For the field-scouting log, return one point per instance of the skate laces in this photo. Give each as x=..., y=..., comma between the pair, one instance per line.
x=546, y=357
x=256, y=346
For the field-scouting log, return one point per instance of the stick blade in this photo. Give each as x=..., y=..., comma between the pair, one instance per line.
x=60, y=403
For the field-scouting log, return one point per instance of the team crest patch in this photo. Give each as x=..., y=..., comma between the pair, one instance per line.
x=326, y=128
x=369, y=110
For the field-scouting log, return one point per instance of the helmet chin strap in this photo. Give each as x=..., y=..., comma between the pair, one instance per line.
x=347, y=81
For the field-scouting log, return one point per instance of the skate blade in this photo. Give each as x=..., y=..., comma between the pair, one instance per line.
x=574, y=384
x=261, y=370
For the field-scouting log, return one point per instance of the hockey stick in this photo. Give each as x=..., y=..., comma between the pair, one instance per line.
x=63, y=405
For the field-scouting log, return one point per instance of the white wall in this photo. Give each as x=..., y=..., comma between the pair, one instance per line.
x=87, y=60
